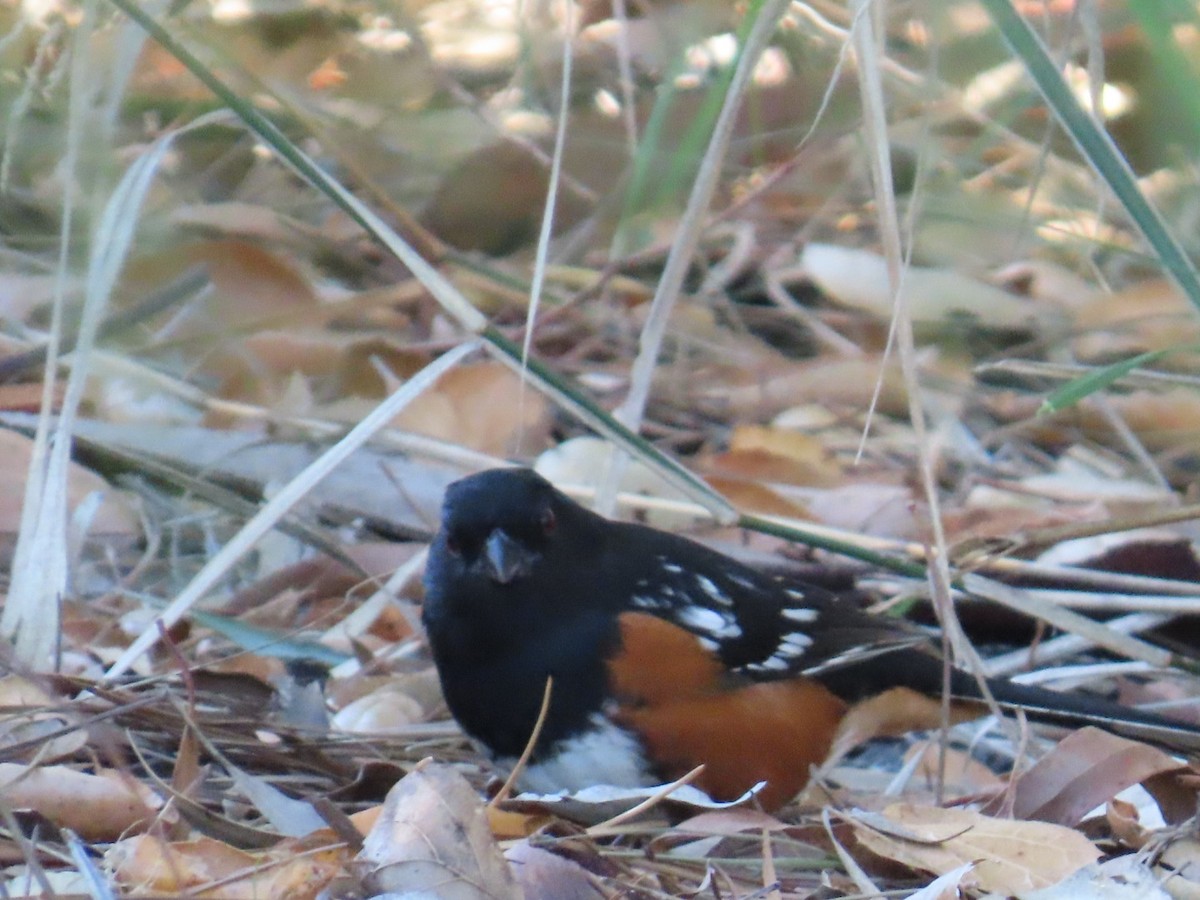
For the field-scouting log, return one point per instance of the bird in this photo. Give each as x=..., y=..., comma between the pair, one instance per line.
x=664, y=654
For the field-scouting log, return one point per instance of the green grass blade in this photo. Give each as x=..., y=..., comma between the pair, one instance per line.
x=1095, y=144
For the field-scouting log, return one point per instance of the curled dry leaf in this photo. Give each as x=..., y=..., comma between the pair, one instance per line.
x=1084, y=770
x=859, y=279
x=97, y=807
x=1124, y=822
x=433, y=836
x=30, y=714
x=291, y=870
x=1010, y=857
x=388, y=709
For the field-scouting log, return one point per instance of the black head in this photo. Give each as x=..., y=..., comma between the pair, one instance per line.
x=501, y=523
x=511, y=598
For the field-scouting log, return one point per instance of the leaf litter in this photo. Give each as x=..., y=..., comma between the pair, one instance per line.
x=202, y=408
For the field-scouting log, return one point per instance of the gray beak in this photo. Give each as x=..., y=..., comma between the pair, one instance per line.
x=505, y=559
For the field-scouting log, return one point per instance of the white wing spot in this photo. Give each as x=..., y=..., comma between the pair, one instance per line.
x=770, y=664
x=709, y=621
x=794, y=593
x=793, y=644
x=670, y=568
x=650, y=601
x=799, y=613
x=708, y=644
x=715, y=594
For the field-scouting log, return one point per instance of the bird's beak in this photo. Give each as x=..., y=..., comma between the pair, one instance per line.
x=505, y=559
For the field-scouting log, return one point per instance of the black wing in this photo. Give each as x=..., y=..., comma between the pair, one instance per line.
x=762, y=625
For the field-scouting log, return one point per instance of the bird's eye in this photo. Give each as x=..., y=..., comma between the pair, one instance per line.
x=453, y=546
x=549, y=521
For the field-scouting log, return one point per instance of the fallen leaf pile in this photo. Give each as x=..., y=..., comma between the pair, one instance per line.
x=213, y=681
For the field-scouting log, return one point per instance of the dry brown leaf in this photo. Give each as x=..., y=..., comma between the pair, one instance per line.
x=493, y=201
x=753, y=496
x=291, y=870
x=98, y=807
x=236, y=219
x=543, y=875
x=963, y=773
x=482, y=406
x=1147, y=316
x=1162, y=420
x=27, y=397
x=870, y=507
x=1085, y=769
x=433, y=836
x=30, y=719
x=729, y=821
x=859, y=279
x=773, y=454
x=113, y=517
x=1010, y=857
x=843, y=382
x=511, y=824
x=250, y=285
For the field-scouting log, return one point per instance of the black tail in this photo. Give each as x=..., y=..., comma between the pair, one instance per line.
x=923, y=672
x=1076, y=710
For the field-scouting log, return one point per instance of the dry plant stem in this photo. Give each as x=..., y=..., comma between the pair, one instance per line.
x=543, y=244
x=1133, y=443
x=1091, y=578
x=1046, y=537
x=1068, y=645
x=405, y=441
x=98, y=884
x=769, y=878
x=288, y=496
x=192, y=811
x=649, y=803
x=1173, y=606
x=853, y=869
x=1098, y=633
x=1083, y=673
x=687, y=237
x=625, y=73
x=38, y=571
x=869, y=49
x=186, y=285
x=32, y=853
x=365, y=614
x=507, y=788
x=212, y=886
x=1137, y=378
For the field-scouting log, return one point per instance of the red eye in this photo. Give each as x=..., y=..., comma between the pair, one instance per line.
x=549, y=521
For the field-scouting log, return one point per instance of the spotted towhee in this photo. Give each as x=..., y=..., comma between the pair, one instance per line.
x=666, y=654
